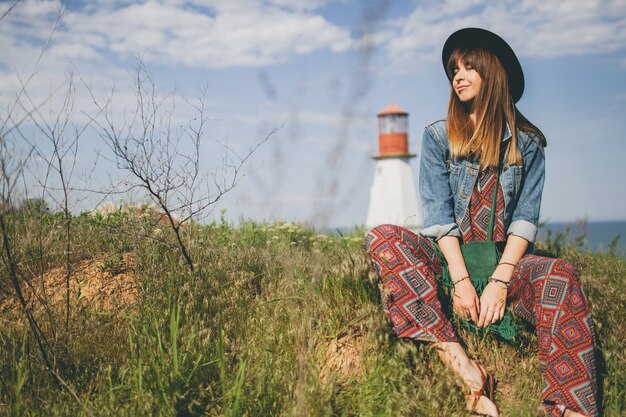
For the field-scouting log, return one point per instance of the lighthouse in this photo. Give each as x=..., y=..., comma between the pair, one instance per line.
x=393, y=196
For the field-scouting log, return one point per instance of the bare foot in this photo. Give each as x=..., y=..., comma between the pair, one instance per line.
x=484, y=406
x=480, y=382
x=473, y=375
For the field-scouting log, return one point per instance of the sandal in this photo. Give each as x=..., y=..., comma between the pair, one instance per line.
x=487, y=389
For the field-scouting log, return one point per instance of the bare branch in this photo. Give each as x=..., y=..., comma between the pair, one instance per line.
x=5, y=128
x=163, y=156
x=13, y=164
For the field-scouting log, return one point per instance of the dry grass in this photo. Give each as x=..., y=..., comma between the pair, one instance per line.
x=278, y=320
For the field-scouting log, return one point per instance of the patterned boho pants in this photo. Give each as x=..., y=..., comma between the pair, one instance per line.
x=544, y=291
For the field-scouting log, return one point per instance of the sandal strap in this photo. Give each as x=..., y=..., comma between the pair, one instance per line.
x=486, y=389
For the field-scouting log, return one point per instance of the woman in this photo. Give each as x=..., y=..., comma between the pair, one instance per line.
x=484, y=134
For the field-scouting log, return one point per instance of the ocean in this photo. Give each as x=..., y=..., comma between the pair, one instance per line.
x=593, y=235
x=596, y=236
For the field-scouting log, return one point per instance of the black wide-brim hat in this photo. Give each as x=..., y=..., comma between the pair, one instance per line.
x=470, y=38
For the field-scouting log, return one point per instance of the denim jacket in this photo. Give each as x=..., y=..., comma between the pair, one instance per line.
x=446, y=185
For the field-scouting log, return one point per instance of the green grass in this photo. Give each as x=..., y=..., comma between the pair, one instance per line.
x=248, y=332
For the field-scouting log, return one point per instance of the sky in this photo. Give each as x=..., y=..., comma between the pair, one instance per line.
x=311, y=76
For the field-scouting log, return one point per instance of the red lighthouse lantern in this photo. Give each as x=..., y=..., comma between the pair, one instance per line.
x=393, y=196
x=393, y=136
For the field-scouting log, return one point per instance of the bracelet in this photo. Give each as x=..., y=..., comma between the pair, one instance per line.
x=494, y=279
x=507, y=263
x=459, y=280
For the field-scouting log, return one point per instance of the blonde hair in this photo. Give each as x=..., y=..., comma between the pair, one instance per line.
x=494, y=109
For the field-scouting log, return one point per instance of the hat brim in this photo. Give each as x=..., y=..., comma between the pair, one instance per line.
x=469, y=38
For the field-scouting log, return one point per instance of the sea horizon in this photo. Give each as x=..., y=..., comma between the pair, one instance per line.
x=596, y=235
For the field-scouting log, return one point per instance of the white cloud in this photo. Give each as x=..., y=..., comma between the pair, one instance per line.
x=209, y=34
x=328, y=121
x=299, y=4
x=537, y=28
x=101, y=37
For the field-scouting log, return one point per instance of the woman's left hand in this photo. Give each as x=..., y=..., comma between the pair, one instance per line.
x=492, y=304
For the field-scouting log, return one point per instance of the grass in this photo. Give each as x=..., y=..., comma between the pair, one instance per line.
x=276, y=320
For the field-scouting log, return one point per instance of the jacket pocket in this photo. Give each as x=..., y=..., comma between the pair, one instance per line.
x=455, y=170
x=517, y=172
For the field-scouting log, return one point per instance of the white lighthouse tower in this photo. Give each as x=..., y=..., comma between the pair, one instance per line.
x=393, y=196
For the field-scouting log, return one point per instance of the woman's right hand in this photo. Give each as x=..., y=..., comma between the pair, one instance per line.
x=465, y=301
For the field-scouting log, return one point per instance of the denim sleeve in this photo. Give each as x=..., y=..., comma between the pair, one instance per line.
x=435, y=193
x=526, y=213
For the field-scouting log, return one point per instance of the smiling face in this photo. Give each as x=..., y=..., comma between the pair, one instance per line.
x=466, y=82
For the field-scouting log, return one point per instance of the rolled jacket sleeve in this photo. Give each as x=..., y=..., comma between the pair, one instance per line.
x=435, y=193
x=526, y=212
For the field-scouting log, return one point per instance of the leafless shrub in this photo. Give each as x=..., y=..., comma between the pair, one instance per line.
x=163, y=158
x=58, y=152
x=15, y=155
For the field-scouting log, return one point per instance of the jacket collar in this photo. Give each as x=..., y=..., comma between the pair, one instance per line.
x=506, y=132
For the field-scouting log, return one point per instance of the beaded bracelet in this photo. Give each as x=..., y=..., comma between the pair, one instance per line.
x=507, y=263
x=459, y=280
x=494, y=279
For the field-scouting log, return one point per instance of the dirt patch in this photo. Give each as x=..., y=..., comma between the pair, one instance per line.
x=98, y=284
x=342, y=358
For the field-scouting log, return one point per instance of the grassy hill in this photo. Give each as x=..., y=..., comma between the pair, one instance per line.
x=275, y=319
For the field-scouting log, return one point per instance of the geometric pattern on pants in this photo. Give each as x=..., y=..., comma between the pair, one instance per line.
x=548, y=293
x=407, y=267
x=545, y=292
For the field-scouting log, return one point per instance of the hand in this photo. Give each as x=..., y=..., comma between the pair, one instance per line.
x=492, y=304
x=465, y=301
